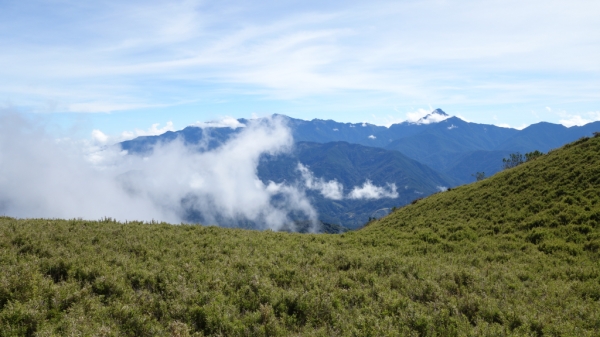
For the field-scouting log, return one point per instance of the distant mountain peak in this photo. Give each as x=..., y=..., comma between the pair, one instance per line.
x=435, y=116
x=439, y=112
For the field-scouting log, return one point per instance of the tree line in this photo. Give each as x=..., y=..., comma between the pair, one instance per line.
x=513, y=160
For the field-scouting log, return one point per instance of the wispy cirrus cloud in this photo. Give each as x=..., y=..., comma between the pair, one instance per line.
x=119, y=56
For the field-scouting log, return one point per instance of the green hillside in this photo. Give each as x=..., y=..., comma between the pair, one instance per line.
x=515, y=254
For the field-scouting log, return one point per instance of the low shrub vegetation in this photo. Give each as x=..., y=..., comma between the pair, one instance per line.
x=514, y=254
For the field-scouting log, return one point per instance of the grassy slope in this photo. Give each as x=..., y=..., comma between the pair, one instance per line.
x=515, y=254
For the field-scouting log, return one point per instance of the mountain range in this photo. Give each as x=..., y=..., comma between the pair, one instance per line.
x=419, y=158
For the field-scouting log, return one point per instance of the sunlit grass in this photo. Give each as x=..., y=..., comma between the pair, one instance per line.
x=514, y=254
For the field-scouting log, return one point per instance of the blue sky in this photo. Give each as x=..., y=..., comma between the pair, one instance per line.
x=122, y=66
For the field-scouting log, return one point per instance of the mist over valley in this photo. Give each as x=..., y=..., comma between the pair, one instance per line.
x=267, y=173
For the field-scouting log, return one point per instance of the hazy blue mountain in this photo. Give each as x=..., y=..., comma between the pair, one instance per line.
x=440, y=144
x=541, y=136
x=430, y=141
x=437, y=150
x=205, y=138
x=324, y=131
x=352, y=165
x=546, y=136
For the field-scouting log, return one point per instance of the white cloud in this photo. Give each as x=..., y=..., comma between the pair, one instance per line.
x=329, y=189
x=521, y=127
x=334, y=190
x=423, y=116
x=574, y=120
x=99, y=136
x=154, y=130
x=372, y=137
x=226, y=122
x=434, y=118
x=415, y=116
x=570, y=120
x=370, y=191
x=442, y=188
x=518, y=127
x=40, y=177
x=134, y=55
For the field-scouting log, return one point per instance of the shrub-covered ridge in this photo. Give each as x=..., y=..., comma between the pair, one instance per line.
x=515, y=254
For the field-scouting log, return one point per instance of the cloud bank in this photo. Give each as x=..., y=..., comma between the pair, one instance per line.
x=334, y=190
x=329, y=189
x=370, y=191
x=40, y=177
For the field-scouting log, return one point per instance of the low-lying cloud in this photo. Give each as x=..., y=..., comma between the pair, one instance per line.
x=226, y=122
x=329, y=189
x=334, y=190
x=424, y=116
x=370, y=191
x=40, y=177
x=101, y=138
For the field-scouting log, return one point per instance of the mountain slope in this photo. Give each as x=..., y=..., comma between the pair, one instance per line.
x=552, y=202
x=516, y=254
x=353, y=165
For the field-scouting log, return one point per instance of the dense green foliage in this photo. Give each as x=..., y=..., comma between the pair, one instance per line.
x=514, y=254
